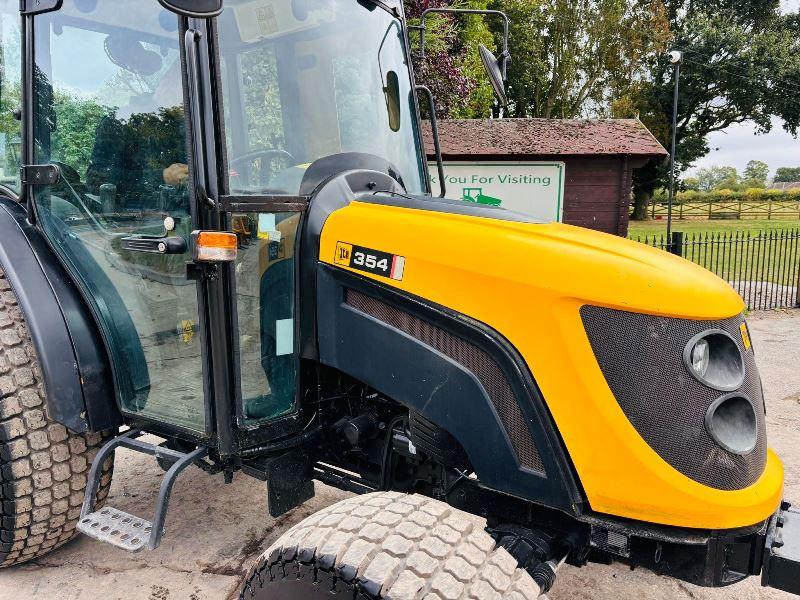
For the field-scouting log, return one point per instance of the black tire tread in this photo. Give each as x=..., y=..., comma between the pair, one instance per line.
x=43, y=465
x=393, y=546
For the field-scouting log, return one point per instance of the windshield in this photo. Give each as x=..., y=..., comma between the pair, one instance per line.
x=305, y=79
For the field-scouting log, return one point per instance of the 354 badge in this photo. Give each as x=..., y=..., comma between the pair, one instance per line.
x=376, y=262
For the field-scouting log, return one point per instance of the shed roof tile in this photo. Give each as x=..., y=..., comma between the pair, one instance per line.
x=531, y=137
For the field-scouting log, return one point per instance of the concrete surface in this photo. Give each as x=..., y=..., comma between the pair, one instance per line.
x=215, y=532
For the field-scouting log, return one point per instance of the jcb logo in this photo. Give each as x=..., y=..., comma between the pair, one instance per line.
x=344, y=253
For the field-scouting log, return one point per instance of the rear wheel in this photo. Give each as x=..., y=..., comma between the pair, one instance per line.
x=388, y=545
x=43, y=465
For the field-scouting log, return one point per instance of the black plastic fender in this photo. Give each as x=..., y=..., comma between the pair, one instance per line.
x=75, y=367
x=442, y=390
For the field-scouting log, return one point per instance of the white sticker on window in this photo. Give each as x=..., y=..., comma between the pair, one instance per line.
x=266, y=224
x=284, y=337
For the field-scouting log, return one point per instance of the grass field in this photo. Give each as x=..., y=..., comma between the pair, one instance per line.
x=659, y=227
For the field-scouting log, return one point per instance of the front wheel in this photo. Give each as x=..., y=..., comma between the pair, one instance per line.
x=388, y=545
x=43, y=465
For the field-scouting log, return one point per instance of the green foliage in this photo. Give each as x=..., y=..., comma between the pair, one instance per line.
x=472, y=31
x=78, y=120
x=756, y=174
x=787, y=175
x=262, y=100
x=571, y=56
x=690, y=184
x=717, y=178
x=452, y=67
x=10, y=96
x=726, y=195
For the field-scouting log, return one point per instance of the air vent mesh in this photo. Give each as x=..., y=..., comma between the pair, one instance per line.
x=641, y=357
x=470, y=357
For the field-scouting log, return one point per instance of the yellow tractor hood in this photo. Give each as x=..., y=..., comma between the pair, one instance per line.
x=528, y=282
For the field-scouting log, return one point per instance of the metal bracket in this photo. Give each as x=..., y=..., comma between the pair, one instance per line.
x=35, y=7
x=202, y=271
x=39, y=174
x=781, y=568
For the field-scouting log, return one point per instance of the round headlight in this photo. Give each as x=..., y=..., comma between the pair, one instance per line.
x=731, y=422
x=701, y=355
x=714, y=358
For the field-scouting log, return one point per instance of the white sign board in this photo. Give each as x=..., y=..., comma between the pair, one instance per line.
x=533, y=188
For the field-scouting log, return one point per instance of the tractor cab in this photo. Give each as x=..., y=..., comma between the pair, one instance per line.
x=168, y=154
x=164, y=149
x=160, y=125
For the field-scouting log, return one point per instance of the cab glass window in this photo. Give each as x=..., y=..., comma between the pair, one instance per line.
x=265, y=293
x=10, y=99
x=306, y=79
x=109, y=89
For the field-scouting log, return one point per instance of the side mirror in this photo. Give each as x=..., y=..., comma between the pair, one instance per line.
x=496, y=69
x=194, y=8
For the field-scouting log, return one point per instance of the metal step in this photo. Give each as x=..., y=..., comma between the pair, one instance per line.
x=118, y=528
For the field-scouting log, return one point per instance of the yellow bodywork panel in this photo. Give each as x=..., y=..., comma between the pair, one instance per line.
x=528, y=282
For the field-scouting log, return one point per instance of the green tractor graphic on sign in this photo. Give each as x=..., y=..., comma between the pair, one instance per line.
x=477, y=196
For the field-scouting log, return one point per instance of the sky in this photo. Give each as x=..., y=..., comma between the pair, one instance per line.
x=739, y=144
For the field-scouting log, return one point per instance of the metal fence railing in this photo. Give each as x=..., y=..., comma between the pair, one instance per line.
x=764, y=266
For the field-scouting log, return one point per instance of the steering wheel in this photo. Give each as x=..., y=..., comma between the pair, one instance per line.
x=265, y=153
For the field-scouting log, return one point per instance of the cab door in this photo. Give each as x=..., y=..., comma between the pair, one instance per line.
x=108, y=96
x=258, y=197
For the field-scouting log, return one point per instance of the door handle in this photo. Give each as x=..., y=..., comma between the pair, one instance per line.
x=165, y=245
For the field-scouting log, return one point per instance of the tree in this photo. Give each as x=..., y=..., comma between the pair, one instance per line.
x=756, y=174
x=78, y=119
x=717, y=178
x=740, y=65
x=787, y=175
x=569, y=55
x=690, y=184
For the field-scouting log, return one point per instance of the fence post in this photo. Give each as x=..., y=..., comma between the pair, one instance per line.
x=676, y=243
x=797, y=299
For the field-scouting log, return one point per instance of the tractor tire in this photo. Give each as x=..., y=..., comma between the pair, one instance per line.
x=388, y=545
x=43, y=465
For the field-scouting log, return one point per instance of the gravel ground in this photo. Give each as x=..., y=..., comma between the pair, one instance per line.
x=764, y=294
x=215, y=535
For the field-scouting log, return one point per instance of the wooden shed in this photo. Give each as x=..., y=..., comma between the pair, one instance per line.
x=599, y=158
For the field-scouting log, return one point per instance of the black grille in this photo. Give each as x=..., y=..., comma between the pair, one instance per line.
x=641, y=357
x=469, y=356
